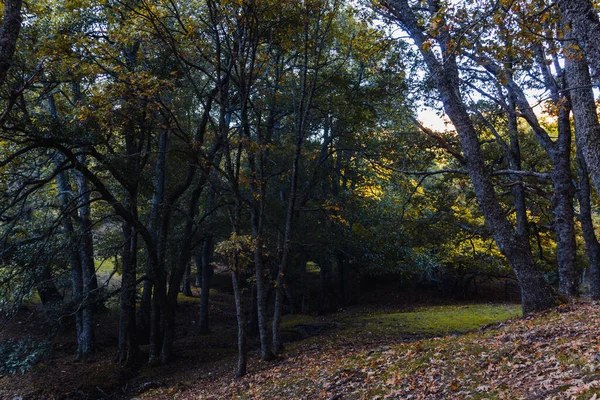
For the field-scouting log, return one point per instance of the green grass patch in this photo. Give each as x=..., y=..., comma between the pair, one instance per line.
x=291, y=321
x=442, y=319
x=104, y=266
x=187, y=299
x=313, y=268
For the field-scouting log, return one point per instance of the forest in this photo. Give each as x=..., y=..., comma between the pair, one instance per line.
x=336, y=199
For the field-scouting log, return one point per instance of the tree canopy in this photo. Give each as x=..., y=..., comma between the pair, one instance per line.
x=260, y=139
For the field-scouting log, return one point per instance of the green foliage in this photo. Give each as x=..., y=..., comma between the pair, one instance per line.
x=237, y=250
x=18, y=356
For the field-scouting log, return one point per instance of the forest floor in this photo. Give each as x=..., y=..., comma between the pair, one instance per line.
x=444, y=351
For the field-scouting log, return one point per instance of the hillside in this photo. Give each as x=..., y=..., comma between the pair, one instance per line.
x=364, y=352
x=549, y=355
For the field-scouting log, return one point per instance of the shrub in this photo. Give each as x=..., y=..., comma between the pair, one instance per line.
x=20, y=355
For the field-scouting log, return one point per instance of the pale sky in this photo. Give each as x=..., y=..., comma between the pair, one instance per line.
x=430, y=119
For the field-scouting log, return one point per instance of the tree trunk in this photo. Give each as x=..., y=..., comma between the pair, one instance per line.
x=198, y=265
x=127, y=348
x=145, y=313
x=154, y=226
x=127, y=324
x=183, y=260
x=9, y=33
x=261, y=301
x=207, y=272
x=252, y=326
x=562, y=202
x=186, y=289
x=589, y=233
x=580, y=18
x=160, y=313
x=241, y=323
x=46, y=287
x=235, y=280
x=325, y=278
x=88, y=270
x=587, y=128
x=74, y=256
x=564, y=190
x=86, y=240
x=305, y=303
x=518, y=191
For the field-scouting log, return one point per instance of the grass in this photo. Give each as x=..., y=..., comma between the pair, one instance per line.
x=196, y=297
x=424, y=321
x=292, y=321
x=104, y=266
x=371, y=334
x=442, y=319
x=312, y=268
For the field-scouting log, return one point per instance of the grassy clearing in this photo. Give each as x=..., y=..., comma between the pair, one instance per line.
x=548, y=355
x=356, y=358
x=442, y=319
x=368, y=351
x=377, y=324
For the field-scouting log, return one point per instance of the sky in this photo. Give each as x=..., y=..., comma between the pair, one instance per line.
x=430, y=119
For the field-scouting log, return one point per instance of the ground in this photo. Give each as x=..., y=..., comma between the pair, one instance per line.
x=446, y=351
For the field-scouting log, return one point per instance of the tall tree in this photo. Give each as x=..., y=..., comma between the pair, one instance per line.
x=536, y=293
x=9, y=34
x=582, y=20
x=581, y=23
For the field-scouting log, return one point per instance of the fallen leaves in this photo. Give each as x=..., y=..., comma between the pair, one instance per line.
x=549, y=355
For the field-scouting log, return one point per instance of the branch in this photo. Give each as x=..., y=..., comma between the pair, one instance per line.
x=543, y=176
x=441, y=141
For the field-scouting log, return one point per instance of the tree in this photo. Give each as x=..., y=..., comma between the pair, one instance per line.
x=9, y=33
x=536, y=294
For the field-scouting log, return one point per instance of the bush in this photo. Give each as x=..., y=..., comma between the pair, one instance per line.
x=20, y=355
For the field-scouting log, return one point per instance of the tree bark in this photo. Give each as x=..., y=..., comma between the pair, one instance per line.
x=257, y=211
x=46, y=287
x=9, y=34
x=186, y=288
x=587, y=128
x=564, y=190
x=154, y=226
x=583, y=23
x=589, y=233
x=207, y=272
x=241, y=323
x=64, y=188
x=518, y=191
x=77, y=276
x=128, y=349
x=562, y=202
x=198, y=265
x=90, y=280
x=183, y=260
